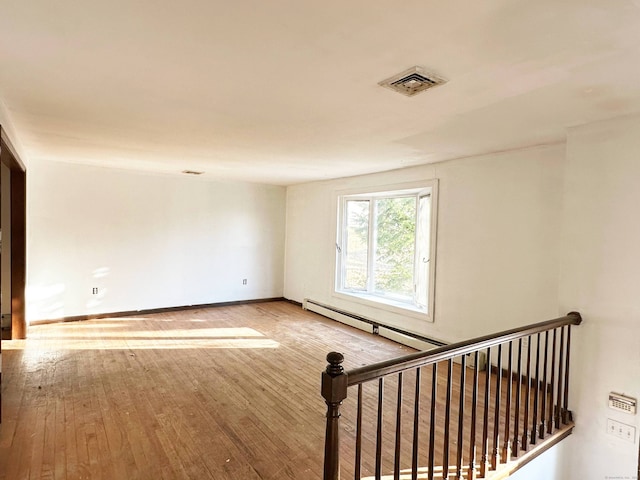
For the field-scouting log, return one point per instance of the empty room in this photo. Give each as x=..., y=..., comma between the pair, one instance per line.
x=329, y=240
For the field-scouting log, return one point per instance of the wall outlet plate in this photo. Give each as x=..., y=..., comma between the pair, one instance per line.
x=621, y=430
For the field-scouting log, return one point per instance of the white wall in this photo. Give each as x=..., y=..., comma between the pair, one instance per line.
x=601, y=278
x=554, y=464
x=497, y=248
x=147, y=241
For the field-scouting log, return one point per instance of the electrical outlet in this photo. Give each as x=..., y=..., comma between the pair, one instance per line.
x=244, y=281
x=621, y=430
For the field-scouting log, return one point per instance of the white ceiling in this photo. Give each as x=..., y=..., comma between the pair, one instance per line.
x=286, y=91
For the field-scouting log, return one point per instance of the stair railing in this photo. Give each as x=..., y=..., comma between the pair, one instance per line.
x=528, y=403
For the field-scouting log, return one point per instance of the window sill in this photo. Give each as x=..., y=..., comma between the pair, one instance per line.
x=393, y=306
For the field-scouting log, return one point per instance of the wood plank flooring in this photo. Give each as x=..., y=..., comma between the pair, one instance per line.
x=219, y=393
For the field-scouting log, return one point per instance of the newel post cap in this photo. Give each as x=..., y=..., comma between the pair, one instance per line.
x=334, y=380
x=335, y=359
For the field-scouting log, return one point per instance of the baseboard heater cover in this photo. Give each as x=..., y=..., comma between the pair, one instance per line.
x=410, y=339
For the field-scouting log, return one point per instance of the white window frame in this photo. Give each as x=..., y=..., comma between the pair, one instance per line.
x=417, y=189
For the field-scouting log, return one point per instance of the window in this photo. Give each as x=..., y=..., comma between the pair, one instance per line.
x=385, y=248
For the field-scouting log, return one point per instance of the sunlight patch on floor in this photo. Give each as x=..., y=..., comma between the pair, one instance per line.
x=178, y=334
x=124, y=336
x=169, y=343
x=41, y=345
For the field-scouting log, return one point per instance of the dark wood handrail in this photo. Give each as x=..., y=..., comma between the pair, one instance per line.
x=543, y=417
x=429, y=357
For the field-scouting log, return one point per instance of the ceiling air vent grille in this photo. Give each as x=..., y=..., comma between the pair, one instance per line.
x=412, y=81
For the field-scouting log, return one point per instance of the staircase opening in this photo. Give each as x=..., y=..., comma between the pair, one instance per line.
x=445, y=414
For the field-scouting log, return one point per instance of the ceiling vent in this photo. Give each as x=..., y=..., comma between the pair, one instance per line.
x=192, y=172
x=412, y=81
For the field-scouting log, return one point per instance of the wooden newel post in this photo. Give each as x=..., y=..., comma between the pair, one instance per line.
x=334, y=391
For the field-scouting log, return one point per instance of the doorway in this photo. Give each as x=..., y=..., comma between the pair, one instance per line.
x=13, y=246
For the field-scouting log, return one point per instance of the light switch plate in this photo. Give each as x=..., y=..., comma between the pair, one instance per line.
x=621, y=430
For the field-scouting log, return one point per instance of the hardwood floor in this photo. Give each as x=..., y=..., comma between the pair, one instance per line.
x=220, y=393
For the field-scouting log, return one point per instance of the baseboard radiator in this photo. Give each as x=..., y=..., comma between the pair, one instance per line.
x=410, y=339
x=373, y=326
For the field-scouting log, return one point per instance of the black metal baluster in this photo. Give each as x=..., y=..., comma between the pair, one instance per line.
x=474, y=411
x=484, y=462
x=566, y=414
x=495, y=454
x=396, y=462
x=527, y=398
x=416, y=423
x=506, y=448
x=516, y=428
x=560, y=378
x=447, y=422
x=379, y=430
x=463, y=379
x=358, y=459
x=432, y=426
x=536, y=393
x=552, y=383
x=545, y=388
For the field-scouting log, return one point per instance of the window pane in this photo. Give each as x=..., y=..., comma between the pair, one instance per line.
x=395, y=246
x=424, y=251
x=356, y=245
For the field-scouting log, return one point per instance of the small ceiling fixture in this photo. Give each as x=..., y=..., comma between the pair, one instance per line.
x=412, y=81
x=192, y=172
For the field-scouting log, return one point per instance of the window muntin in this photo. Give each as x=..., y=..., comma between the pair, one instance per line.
x=385, y=247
